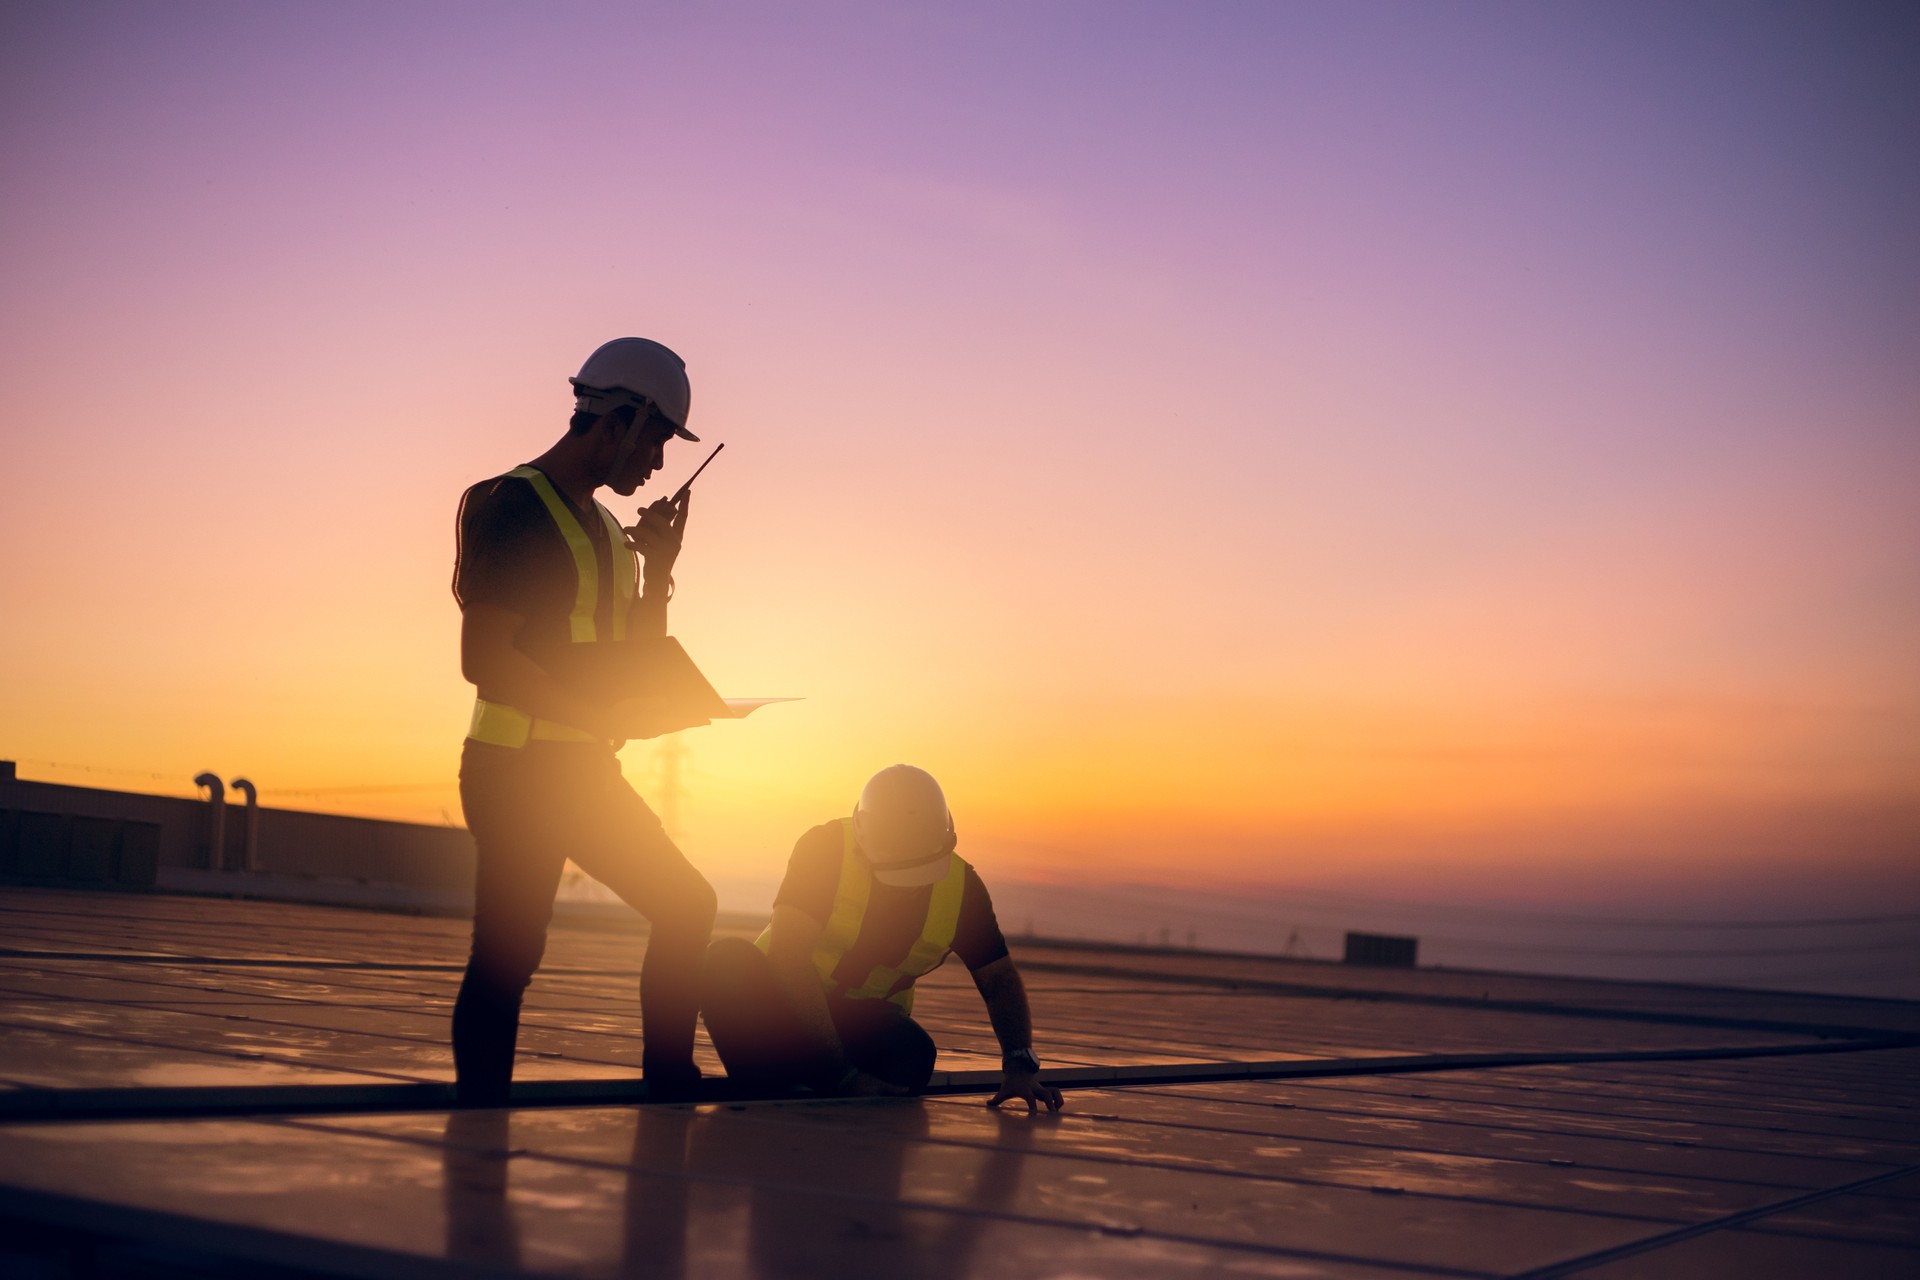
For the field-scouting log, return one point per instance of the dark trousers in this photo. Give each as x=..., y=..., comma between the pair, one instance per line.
x=754, y=1029
x=530, y=810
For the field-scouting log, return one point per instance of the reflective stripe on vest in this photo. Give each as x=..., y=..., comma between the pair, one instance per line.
x=507, y=726
x=586, y=596
x=850, y=899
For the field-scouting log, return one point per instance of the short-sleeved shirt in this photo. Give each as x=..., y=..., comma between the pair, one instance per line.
x=894, y=917
x=511, y=554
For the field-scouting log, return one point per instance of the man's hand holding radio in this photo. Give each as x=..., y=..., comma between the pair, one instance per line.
x=656, y=537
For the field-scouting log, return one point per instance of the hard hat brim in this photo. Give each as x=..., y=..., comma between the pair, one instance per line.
x=916, y=875
x=631, y=397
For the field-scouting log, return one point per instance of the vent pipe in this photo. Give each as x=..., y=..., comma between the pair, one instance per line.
x=217, y=797
x=250, y=859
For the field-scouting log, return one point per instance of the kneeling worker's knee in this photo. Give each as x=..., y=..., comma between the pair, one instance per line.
x=694, y=908
x=688, y=921
x=729, y=961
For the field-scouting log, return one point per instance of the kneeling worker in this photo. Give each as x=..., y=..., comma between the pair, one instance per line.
x=869, y=904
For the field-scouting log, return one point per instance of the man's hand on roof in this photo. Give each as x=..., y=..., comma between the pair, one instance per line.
x=1018, y=1082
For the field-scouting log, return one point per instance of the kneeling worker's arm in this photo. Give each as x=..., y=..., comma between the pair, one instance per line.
x=790, y=954
x=1006, y=998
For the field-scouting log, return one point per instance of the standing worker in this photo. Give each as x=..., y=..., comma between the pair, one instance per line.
x=545, y=577
x=870, y=903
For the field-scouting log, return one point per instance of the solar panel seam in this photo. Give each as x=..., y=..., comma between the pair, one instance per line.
x=1385, y=1094
x=1707, y=1096
x=250, y=1021
x=1728, y=1074
x=437, y=1042
x=1383, y=996
x=1701, y=1104
x=1135, y=1162
x=1511, y=1128
x=816, y=1188
x=233, y=1055
x=455, y=927
x=1390, y=1040
x=363, y=987
x=1542, y=1162
x=588, y=1092
x=1493, y=1006
x=1823, y=1237
x=157, y=909
x=1520, y=1028
x=141, y=978
x=1640, y=1115
x=1586, y=1262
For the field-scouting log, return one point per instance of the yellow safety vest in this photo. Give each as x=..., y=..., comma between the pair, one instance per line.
x=506, y=726
x=850, y=909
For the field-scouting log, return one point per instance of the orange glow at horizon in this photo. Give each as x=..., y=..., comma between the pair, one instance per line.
x=1341, y=474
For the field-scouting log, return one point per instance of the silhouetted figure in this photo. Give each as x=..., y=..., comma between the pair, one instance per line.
x=869, y=904
x=550, y=620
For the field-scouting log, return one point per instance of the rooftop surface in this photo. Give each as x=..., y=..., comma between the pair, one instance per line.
x=201, y=1086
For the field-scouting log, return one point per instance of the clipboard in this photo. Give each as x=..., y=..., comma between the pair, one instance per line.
x=661, y=668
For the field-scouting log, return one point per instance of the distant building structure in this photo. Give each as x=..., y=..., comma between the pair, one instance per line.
x=87, y=837
x=1384, y=949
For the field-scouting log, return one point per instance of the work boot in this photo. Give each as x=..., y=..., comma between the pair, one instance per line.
x=670, y=1082
x=470, y=1093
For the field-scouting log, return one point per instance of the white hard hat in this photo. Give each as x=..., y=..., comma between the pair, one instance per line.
x=903, y=826
x=635, y=371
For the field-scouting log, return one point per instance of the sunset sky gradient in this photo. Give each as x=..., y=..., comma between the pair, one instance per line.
x=1465, y=450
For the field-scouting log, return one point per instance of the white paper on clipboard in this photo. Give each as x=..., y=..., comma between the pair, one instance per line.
x=742, y=707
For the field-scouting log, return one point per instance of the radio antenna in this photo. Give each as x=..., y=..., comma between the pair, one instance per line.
x=681, y=492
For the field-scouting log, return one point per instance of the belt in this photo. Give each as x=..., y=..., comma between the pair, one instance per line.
x=500, y=725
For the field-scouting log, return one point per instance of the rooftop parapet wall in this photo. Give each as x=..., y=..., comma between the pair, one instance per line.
x=55, y=834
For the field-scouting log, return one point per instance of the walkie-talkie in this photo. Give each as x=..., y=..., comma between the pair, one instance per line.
x=666, y=505
x=681, y=492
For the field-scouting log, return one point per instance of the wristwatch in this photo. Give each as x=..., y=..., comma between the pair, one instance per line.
x=1020, y=1058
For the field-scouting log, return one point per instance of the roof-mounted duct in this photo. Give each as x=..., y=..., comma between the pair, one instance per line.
x=217, y=838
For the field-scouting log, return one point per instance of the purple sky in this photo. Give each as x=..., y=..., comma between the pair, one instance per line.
x=1433, y=427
